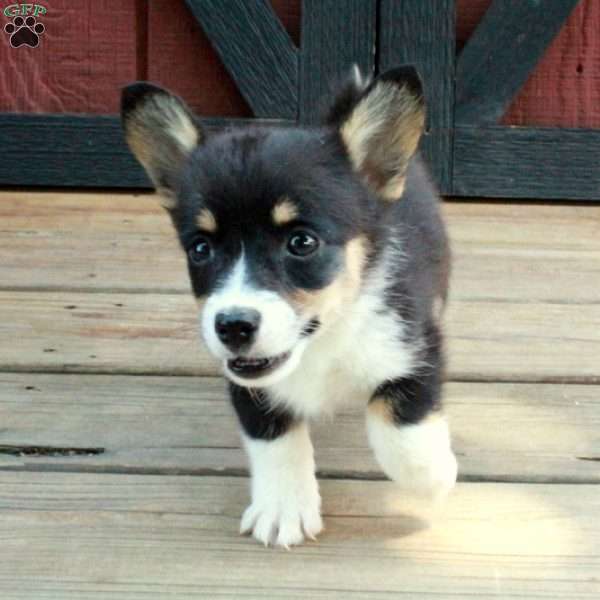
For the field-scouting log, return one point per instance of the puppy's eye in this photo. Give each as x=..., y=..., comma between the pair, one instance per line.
x=200, y=251
x=302, y=243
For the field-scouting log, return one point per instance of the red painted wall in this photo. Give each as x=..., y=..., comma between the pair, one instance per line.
x=87, y=50
x=93, y=47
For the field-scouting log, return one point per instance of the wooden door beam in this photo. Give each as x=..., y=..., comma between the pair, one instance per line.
x=335, y=35
x=498, y=58
x=256, y=50
x=422, y=33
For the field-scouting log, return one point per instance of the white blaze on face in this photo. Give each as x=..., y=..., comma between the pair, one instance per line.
x=280, y=326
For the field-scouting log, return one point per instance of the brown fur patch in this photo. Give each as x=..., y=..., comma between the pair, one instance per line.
x=382, y=134
x=166, y=199
x=382, y=409
x=284, y=211
x=342, y=290
x=206, y=221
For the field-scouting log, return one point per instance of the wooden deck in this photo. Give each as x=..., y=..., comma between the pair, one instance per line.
x=121, y=474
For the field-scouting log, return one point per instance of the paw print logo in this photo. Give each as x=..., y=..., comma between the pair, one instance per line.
x=24, y=32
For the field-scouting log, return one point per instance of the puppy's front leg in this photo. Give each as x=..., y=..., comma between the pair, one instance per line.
x=408, y=432
x=285, y=494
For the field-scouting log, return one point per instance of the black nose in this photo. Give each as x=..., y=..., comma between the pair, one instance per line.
x=237, y=327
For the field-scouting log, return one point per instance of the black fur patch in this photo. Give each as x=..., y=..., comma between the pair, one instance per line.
x=258, y=418
x=422, y=276
x=412, y=398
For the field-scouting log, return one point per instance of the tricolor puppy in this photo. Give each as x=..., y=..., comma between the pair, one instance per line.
x=321, y=264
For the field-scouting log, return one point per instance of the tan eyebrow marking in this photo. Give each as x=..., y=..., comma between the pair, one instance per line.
x=206, y=221
x=284, y=211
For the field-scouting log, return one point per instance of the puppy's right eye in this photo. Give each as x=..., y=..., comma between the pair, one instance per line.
x=200, y=252
x=302, y=243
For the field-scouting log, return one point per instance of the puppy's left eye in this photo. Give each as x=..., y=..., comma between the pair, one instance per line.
x=200, y=251
x=302, y=243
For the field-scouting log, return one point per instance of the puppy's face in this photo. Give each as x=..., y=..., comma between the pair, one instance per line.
x=276, y=224
x=275, y=245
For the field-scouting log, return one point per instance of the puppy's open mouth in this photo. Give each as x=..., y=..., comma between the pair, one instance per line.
x=251, y=368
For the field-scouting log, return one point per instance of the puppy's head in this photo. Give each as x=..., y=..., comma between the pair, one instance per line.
x=277, y=223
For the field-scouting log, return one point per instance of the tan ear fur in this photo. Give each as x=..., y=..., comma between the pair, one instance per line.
x=382, y=133
x=161, y=133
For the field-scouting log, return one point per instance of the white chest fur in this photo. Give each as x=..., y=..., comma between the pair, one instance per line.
x=347, y=362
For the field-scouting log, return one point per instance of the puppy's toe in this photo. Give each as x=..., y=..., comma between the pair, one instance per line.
x=290, y=531
x=265, y=528
x=248, y=520
x=312, y=522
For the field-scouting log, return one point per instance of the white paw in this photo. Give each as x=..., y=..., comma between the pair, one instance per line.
x=434, y=479
x=418, y=457
x=284, y=518
x=285, y=504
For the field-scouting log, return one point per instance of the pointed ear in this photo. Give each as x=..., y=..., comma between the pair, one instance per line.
x=161, y=132
x=347, y=94
x=381, y=125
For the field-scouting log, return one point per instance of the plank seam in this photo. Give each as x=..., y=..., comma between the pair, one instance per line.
x=244, y=474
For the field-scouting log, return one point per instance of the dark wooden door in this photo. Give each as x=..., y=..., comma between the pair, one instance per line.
x=277, y=61
x=280, y=81
x=471, y=152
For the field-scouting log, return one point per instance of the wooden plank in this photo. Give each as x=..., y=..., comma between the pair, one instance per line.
x=496, y=341
x=89, y=241
x=58, y=150
x=552, y=256
x=525, y=253
x=501, y=53
x=74, y=536
x=107, y=213
x=256, y=50
x=156, y=333
x=519, y=162
x=335, y=35
x=127, y=333
x=72, y=151
x=85, y=55
x=423, y=33
x=502, y=432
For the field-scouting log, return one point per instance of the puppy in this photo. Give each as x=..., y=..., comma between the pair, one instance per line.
x=321, y=263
